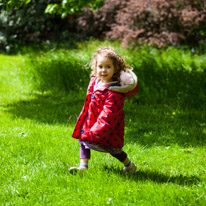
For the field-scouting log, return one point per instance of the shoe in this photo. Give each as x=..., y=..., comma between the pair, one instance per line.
x=74, y=170
x=131, y=169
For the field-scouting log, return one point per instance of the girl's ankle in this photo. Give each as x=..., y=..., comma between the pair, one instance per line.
x=129, y=164
x=83, y=165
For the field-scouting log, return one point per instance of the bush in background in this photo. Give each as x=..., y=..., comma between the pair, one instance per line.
x=96, y=23
x=30, y=24
x=159, y=22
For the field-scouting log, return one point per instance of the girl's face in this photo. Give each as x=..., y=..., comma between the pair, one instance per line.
x=105, y=68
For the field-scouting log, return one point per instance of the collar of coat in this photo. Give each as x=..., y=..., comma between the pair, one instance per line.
x=128, y=81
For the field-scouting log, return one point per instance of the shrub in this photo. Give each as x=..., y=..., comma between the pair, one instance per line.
x=160, y=22
x=30, y=24
x=96, y=23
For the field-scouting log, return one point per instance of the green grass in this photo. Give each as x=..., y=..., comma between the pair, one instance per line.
x=166, y=75
x=165, y=138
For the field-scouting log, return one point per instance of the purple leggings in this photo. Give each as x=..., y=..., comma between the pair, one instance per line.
x=85, y=153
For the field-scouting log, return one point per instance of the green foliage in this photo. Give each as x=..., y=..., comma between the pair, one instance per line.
x=65, y=7
x=11, y=4
x=30, y=24
x=25, y=21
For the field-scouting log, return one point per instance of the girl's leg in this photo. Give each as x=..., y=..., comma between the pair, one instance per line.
x=84, y=156
x=122, y=157
x=84, y=159
x=129, y=167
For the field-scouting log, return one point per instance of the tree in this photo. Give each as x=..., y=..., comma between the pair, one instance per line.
x=62, y=7
x=11, y=4
x=66, y=7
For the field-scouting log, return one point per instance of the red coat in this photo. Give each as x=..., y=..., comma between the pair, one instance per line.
x=102, y=115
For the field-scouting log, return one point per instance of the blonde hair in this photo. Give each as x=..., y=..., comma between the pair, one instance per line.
x=118, y=62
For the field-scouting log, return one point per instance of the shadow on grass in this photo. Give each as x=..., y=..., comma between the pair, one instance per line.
x=145, y=125
x=164, y=125
x=49, y=109
x=155, y=176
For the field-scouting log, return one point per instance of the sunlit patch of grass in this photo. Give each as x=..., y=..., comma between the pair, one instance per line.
x=165, y=140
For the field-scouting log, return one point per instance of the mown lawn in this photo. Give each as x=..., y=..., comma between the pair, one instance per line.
x=166, y=141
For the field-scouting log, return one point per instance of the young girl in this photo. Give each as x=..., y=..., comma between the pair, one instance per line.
x=100, y=125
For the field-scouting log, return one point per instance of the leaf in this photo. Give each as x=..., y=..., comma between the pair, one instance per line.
x=51, y=8
x=63, y=15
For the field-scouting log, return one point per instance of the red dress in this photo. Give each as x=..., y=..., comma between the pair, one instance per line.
x=102, y=115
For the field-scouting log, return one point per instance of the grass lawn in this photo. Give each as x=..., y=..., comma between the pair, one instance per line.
x=166, y=142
